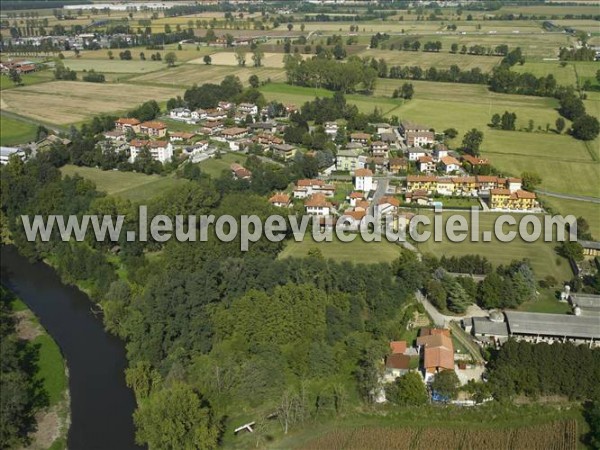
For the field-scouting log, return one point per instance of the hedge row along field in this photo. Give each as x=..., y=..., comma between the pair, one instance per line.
x=561, y=435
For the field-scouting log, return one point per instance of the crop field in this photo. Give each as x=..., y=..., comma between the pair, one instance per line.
x=549, y=9
x=542, y=255
x=128, y=185
x=188, y=74
x=441, y=60
x=357, y=251
x=556, y=435
x=114, y=65
x=65, y=102
x=13, y=131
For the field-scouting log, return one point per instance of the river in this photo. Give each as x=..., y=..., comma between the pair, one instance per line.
x=101, y=404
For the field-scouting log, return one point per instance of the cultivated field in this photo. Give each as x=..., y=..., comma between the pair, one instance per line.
x=189, y=74
x=66, y=102
x=26, y=79
x=114, y=65
x=187, y=52
x=587, y=210
x=557, y=435
x=128, y=185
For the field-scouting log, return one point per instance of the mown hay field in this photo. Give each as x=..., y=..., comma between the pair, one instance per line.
x=66, y=102
x=442, y=60
x=189, y=74
x=270, y=60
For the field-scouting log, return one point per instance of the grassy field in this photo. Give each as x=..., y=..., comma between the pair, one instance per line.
x=589, y=211
x=357, y=251
x=187, y=52
x=542, y=255
x=128, y=185
x=26, y=79
x=189, y=74
x=546, y=303
x=214, y=167
x=13, y=131
x=65, y=102
x=270, y=60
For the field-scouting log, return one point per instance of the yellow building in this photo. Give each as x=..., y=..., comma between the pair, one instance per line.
x=421, y=183
x=518, y=200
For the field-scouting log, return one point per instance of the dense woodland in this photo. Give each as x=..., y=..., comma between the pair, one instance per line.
x=22, y=394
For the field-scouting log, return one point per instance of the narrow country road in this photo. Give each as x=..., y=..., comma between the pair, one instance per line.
x=581, y=198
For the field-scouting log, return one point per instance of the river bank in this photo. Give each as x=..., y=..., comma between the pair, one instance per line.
x=52, y=421
x=101, y=404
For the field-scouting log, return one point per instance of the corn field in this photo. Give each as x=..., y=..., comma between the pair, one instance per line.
x=560, y=435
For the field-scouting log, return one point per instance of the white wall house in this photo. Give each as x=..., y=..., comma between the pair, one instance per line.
x=363, y=180
x=160, y=150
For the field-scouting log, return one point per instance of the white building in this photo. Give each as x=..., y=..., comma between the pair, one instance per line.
x=331, y=129
x=7, y=152
x=363, y=180
x=248, y=108
x=160, y=150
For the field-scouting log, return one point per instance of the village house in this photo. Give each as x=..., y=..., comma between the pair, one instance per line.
x=153, y=128
x=420, y=197
x=440, y=151
x=361, y=138
x=415, y=153
x=390, y=139
x=239, y=172
x=426, y=164
x=115, y=135
x=398, y=165
x=285, y=152
x=125, y=123
x=160, y=150
x=379, y=149
x=407, y=126
x=437, y=351
x=317, y=205
x=264, y=127
x=198, y=114
x=352, y=218
x=215, y=115
x=180, y=114
x=179, y=136
x=363, y=180
x=211, y=128
x=225, y=106
x=354, y=197
x=450, y=164
x=427, y=183
x=234, y=133
x=331, y=129
x=506, y=199
x=307, y=187
x=383, y=128
x=347, y=160
x=378, y=163
x=590, y=248
x=475, y=161
x=281, y=200
x=7, y=152
x=397, y=363
x=248, y=108
x=388, y=205
x=419, y=138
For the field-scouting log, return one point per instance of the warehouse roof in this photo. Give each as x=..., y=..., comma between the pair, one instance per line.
x=560, y=325
x=483, y=325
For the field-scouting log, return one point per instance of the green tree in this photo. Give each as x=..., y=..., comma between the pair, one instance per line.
x=531, y=180
x=496, y=120
x=446, y=383
x=240, y=56
x=15, y=77
x=207, y=60
x=560, y=125
x=257, y=57
x=407, y=91
x=176, y=418
x=472, y=142
x=170, y=59
x=254, y=81
x=585, y=127
x=408, y=390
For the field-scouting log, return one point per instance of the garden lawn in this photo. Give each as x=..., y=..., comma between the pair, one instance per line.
x=127, y=185
x=27, y=79
x=214, y=167
x=356, y=251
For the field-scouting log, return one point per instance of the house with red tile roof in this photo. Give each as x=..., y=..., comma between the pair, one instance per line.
x=281, y=200
x=153, y=128
x=126, y=123
x=317, y=205
x=437, y=351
